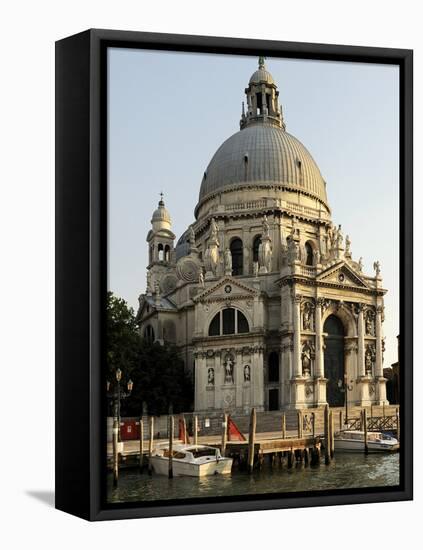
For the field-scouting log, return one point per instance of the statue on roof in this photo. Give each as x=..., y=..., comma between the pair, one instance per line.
x=265, y=226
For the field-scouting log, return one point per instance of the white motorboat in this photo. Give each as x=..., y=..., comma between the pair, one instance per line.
x=353, y=441
x=191, y=460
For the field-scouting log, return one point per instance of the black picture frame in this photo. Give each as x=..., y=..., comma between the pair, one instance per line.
x=81, y=256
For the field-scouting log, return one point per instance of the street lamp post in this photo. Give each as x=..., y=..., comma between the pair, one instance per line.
x=344, y=387
x=116, y=394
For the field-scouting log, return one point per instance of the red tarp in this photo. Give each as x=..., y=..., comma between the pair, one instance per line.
x=234, y=433
x=183, y=433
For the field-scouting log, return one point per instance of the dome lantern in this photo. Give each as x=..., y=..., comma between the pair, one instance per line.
x=262, y=99
x=161, y=217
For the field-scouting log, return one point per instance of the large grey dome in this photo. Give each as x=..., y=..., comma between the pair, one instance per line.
x=263, y=154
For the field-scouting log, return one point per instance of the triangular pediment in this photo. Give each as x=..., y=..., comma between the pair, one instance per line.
x=226, y=288
x=341, y=274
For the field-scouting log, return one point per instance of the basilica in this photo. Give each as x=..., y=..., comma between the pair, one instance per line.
x=262, y=295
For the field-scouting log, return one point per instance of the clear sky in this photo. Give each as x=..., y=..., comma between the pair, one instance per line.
x=169, y=112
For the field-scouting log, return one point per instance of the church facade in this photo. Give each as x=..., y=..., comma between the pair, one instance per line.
x=262, y=295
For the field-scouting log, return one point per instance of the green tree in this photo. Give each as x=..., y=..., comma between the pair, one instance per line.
x=157, y=370
x=160, y=381
x=123, y=339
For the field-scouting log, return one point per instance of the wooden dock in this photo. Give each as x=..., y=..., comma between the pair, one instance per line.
x=301, y=438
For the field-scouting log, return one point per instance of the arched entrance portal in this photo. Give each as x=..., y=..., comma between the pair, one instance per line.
x=334, y=360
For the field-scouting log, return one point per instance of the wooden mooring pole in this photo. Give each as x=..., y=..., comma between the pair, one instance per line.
x=313, y=424
x=327, y=435
x=306, y=457
x=397, y=414
x=366, y=445
x=171, y=430
x=184, y=429
x=150, y=445
x=116, y=428
x=141, y=443
x=251, y=440
x=195, y=429
x=341, y=420
x=332, y=434
x=224, y=434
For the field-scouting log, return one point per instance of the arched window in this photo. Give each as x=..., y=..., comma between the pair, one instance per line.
x=273, y=367
x=161, y=252
x=309, y=254
x=167, y=253
x=149, y=334
x=214, y=327
x=228, y=321
x=256, y=244
x=237, y=256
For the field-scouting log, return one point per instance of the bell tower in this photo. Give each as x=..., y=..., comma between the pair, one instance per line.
x=160, y=239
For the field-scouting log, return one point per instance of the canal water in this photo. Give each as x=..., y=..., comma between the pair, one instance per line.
x=346, y=471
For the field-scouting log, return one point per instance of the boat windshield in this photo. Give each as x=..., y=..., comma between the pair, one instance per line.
x=197, y=453
x=386, y=437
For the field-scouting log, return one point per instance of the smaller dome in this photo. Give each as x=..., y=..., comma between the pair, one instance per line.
x=261, y=75
x=161, y=218
x=182, y=247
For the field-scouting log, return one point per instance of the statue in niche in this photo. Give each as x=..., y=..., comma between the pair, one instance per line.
x=376, y=267
x=247, y=373
x=369, y=361
x=255, y=269
x=369, y=323
x=201, y=278
x=307, y=316
x=210, y=376
x=306, y=360
x=229, y=369
x=228, y=262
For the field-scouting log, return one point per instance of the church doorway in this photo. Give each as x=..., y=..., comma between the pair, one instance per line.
x=334, y=360
x=273, y=399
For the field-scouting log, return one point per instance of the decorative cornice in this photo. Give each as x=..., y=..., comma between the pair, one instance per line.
x=293, y=279
x=249, y=292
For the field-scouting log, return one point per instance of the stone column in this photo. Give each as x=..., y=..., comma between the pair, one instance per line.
x=319, y=371
x=361, y=366
x=257, y=385
x=379, y=359
x=200, y=367
x=238, y=378
x=297, y=335
x=247, y=251
x=263, y=101
x=218, y=381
